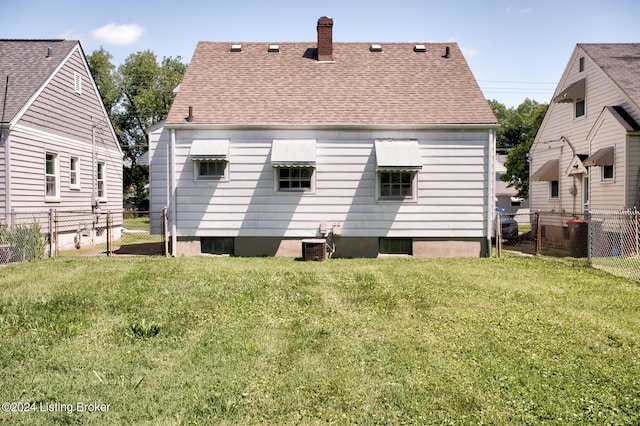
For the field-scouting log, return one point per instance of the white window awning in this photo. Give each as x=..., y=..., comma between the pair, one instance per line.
x=209, y=150
x=548, y=171
x=394, y=155
x=293, y=153
x=602, y=157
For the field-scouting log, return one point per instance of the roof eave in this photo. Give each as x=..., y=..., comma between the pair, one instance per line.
x=322, y=126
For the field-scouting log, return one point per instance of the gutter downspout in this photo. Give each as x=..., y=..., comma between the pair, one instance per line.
x=172, y=191
x=491, y=203
x=4, y=142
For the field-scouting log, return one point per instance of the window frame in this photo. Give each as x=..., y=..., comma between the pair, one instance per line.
x=226, y=242
x=413, y=189
x=197, y=169
x=554, y=193
x=387, y=245
x=55, y=162
x=74, y=172
x=278, y=179
x=101, y=190
x=603, y=173
x=576, y=103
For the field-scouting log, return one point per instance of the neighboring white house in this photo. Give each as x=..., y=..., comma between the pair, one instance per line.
x=586, y=154
x=58, y=149
x=506, y=196
x=387, y=147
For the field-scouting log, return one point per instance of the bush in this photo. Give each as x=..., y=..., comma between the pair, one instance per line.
x=25, y=242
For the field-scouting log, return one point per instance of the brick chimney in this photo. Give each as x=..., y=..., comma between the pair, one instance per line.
x=325, y=39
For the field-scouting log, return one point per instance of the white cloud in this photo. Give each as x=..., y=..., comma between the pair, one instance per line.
x=119, y=35
x=469, y=52
x=512, y=11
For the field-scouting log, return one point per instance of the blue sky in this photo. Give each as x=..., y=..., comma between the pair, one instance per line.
x=516, y=49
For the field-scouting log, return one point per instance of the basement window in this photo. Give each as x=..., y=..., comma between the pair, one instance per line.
x=395, y=246
x=216, y=245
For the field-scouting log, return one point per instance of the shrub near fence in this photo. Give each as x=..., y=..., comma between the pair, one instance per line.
x=21, y=242
x=26, y=236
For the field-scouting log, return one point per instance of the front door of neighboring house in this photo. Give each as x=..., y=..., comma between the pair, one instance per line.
x=585, y=193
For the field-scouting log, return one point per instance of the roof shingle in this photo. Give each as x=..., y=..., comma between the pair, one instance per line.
x=26, y=64
x=397, y=86
x=621, y=61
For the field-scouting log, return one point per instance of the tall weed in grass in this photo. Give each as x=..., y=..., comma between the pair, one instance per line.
x=275, y=341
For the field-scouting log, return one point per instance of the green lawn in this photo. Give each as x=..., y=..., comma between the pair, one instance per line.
x=208, y=340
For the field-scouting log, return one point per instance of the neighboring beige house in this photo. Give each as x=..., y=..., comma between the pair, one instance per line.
x=586, y=154
x=58, y=149
x=384, y=148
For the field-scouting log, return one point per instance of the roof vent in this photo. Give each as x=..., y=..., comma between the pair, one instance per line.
x=447, y=53
x=274, y=48
x=375, y=48
x=190, y=117
x=49, y=53
x=236, y=48
x=419, y=48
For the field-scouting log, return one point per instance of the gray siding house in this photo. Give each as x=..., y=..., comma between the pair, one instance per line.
x=586, y=155
x=384, y=148
x=58, y=149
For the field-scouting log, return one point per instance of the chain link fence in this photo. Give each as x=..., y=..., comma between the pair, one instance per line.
x=548, y=233
x=609, y=240
x=33, y=235
x=615, y=242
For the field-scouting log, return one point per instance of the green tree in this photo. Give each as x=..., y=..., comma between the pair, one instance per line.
x=137, y=95
x=518, y=129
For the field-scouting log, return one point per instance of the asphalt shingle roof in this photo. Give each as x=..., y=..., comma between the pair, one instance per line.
x=621, y=62
x=26, y=64
x=397, y=86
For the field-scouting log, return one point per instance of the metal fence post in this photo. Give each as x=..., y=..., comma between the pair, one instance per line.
x=589, y=240
x=538, y=247
x=498, y=234
x=109, y=232
x=165, y=227
x=51, y=213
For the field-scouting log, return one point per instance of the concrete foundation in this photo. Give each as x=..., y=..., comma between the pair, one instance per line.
x=345, y=247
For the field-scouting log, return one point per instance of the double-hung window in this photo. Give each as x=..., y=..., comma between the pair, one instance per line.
x=100, y=178
x=74, y=173
x=210, y=159
x=294, y=163
x=52, y=177
x=397, y=165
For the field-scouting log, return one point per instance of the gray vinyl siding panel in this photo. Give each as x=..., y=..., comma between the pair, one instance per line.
x=451, y=198
x=28, y=173
x=3, y=181
x=60, y=111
